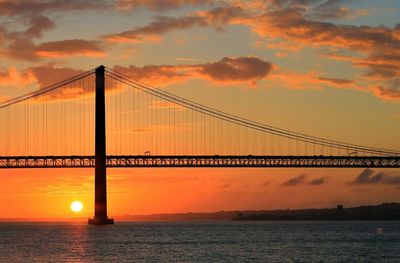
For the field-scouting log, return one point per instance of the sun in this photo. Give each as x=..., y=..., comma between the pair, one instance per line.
x=76, y=206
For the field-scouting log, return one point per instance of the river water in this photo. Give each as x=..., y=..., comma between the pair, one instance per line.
x=283, y=241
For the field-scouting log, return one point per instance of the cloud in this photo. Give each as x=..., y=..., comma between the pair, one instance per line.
x=387, y=93
x=240, y=69
x=19, y=44
x=334, y=9
x=301, y=180
x=294, y=23
x=290, y=24
x=226, y=71
x=3, y=35
x=336, y=81
x=70, y=47
x=36, y=7
x=310, y=80
x=286, y=21
x=11, y=77
x=318, y=181
x=159, y=5
x=233, y=70
x=162, y=25
x=295, y=181
x=48, y=74
x=38, y=25
x=17, y=41
x=25, y=49
x=20, y=49
x=370, y=177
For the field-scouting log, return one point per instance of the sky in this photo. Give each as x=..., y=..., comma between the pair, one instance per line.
x=328, y=68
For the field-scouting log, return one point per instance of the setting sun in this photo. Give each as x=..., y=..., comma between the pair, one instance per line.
x=76, y=206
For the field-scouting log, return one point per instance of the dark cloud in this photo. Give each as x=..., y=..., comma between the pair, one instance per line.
x=19, y=44
x=47, y=75
x=3, y=35
x=289, y=23
x=369, y=176
x=318, y=181
x=333, y=9
x=21, y=49
x=161, y=25
x=25, y=49
x=295, y=181
x=38, y=25
x=301, y=180
x=388, y=93
x=226, y=71
x=319, y=9
x=379, y=45
x=36, y=7
x=293, y=3
x=160, y=5
x=241, y=69
x=337, y=81
x=70, y=47
x=301, y=22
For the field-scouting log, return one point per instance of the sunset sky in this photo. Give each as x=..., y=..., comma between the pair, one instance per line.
x=329, y=68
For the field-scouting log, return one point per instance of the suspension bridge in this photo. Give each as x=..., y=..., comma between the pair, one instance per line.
x=64, y=126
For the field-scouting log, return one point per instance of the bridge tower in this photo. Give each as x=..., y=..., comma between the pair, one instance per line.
x=100, y=179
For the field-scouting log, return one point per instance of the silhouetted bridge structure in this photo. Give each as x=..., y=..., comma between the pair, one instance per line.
x=64, y=126
x=201, y=161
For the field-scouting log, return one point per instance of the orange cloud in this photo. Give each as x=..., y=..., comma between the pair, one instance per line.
x=225, y=71
x=159, y=4
x=310, y=80
x=292, y=25
x=71, y=47
x=236, y=70
x=335, y=10
x=48, y=75
x=25, y=49
x=15, y=78
x=286, y=20
x=289, y=24
x=153, y=31
x=35, y=7
x=133, y=39
x=390, y=94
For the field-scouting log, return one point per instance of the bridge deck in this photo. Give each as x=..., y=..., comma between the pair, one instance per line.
x=202, y=161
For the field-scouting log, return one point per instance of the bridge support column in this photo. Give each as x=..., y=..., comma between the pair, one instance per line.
x=100, y=179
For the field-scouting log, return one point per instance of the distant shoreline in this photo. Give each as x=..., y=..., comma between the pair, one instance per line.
x=385, y=211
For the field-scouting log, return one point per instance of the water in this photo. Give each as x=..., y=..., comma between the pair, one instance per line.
x=362, y=241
